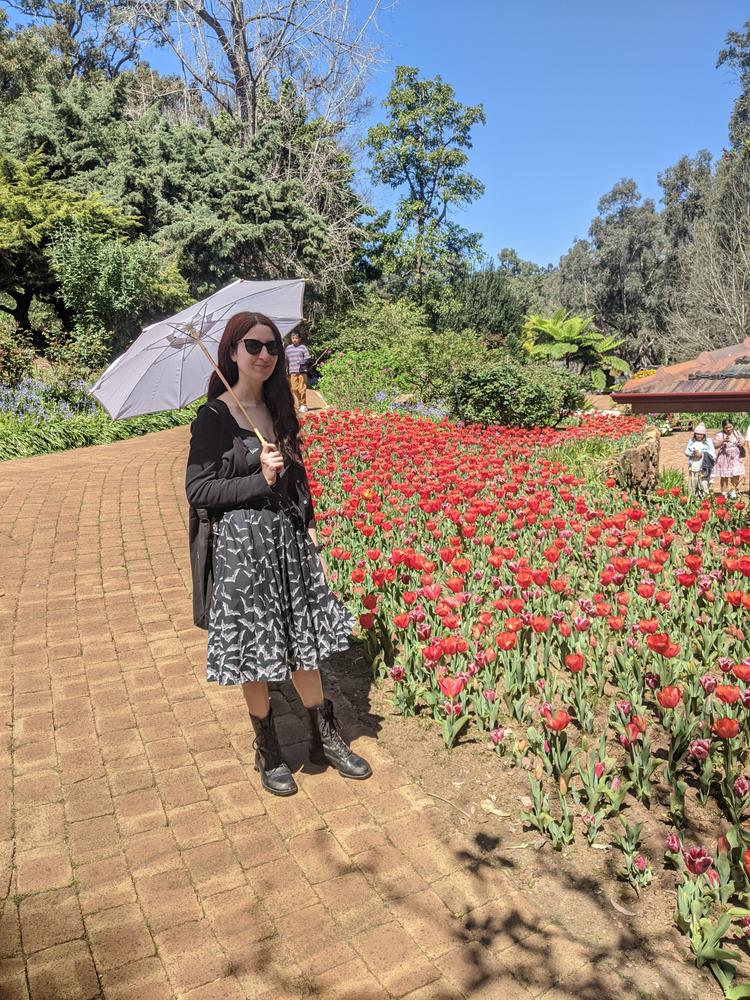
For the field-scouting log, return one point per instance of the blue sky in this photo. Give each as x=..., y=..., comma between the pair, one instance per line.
x=577, y=95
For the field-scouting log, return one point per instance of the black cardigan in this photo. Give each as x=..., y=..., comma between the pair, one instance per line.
x=223, y=470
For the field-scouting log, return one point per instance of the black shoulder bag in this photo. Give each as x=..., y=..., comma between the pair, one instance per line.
x=201, y=526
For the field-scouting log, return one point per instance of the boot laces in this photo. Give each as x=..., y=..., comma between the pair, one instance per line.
x=267, y=744
x=333, y=736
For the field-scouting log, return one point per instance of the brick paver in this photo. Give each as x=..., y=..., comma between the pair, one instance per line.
x=139, y=856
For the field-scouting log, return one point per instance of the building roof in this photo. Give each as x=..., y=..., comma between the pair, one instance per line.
x=714, y=381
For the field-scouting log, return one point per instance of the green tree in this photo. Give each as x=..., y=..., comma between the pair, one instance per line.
x=88, y=37
x=225, y=209
x=112, y=288
x=525, y=278
x=25, y=61
x=32, y=211
x=618, y=274
x=489, y=305
x=574, y=340
x=421, y=150
x=736, y=55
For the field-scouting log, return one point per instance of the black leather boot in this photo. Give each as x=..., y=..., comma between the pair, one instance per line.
x=275, y=775
x=328, y=747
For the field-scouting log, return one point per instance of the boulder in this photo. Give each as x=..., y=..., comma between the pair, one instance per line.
x=637, y=468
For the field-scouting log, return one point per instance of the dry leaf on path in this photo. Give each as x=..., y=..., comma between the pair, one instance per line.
x=489, y=807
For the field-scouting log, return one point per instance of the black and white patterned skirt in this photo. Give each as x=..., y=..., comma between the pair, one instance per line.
x=272, y=611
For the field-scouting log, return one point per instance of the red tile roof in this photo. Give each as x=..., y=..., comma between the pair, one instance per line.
x=714, y=381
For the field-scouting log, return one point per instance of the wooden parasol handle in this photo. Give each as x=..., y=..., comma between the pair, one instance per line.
x=196, y=337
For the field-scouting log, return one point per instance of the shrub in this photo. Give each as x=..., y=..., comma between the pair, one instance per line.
x=21, y=437
x=369, y=325
x=354, y=379
x=420, y=364
x=16, y=353
x=498, y=390
x=42, y=399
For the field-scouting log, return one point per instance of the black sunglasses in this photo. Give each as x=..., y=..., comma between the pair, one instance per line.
x=256, y=346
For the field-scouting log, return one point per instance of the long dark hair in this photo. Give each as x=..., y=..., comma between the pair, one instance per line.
x=276, y=392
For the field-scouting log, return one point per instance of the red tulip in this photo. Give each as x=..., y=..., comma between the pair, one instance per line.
x=506, y=640
x=367, y=621
x=661, y=643
x=725, y=728
x=728, y=693
x=451, y=686
x=669, y=697
x=574, y=662
x=558, y=722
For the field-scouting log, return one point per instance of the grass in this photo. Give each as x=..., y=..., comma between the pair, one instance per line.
x=590, y=457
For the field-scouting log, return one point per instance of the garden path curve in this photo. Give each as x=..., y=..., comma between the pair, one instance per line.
x=140, y=859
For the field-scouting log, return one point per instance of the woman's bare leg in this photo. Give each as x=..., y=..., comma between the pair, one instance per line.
x=256, y=697
x=309, y=687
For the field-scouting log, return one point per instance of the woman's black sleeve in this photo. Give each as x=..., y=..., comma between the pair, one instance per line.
x=203, y=485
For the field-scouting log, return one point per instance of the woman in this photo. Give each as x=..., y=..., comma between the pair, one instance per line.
x=698, y=447
x=729, y=465
x=273, y=616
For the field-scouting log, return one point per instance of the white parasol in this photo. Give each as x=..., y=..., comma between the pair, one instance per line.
x=169, y=364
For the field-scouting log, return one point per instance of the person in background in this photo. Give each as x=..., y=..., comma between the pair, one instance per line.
x=730, y=454
x=297, y=359
x=698, y=448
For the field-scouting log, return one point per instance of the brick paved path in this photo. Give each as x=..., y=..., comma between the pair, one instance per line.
x=140, y=859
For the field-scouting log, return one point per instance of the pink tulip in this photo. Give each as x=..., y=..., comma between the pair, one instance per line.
x=697, y=860
x=673, y=844
x=700, y=749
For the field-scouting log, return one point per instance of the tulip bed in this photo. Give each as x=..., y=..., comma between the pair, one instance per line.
x=593, y=638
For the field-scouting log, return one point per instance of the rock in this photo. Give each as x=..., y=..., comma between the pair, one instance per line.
x=637, y=468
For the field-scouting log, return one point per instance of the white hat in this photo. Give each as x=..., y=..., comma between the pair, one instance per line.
x=700, y=429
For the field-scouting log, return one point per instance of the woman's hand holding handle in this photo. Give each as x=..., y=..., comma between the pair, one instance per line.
x=271, y=463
